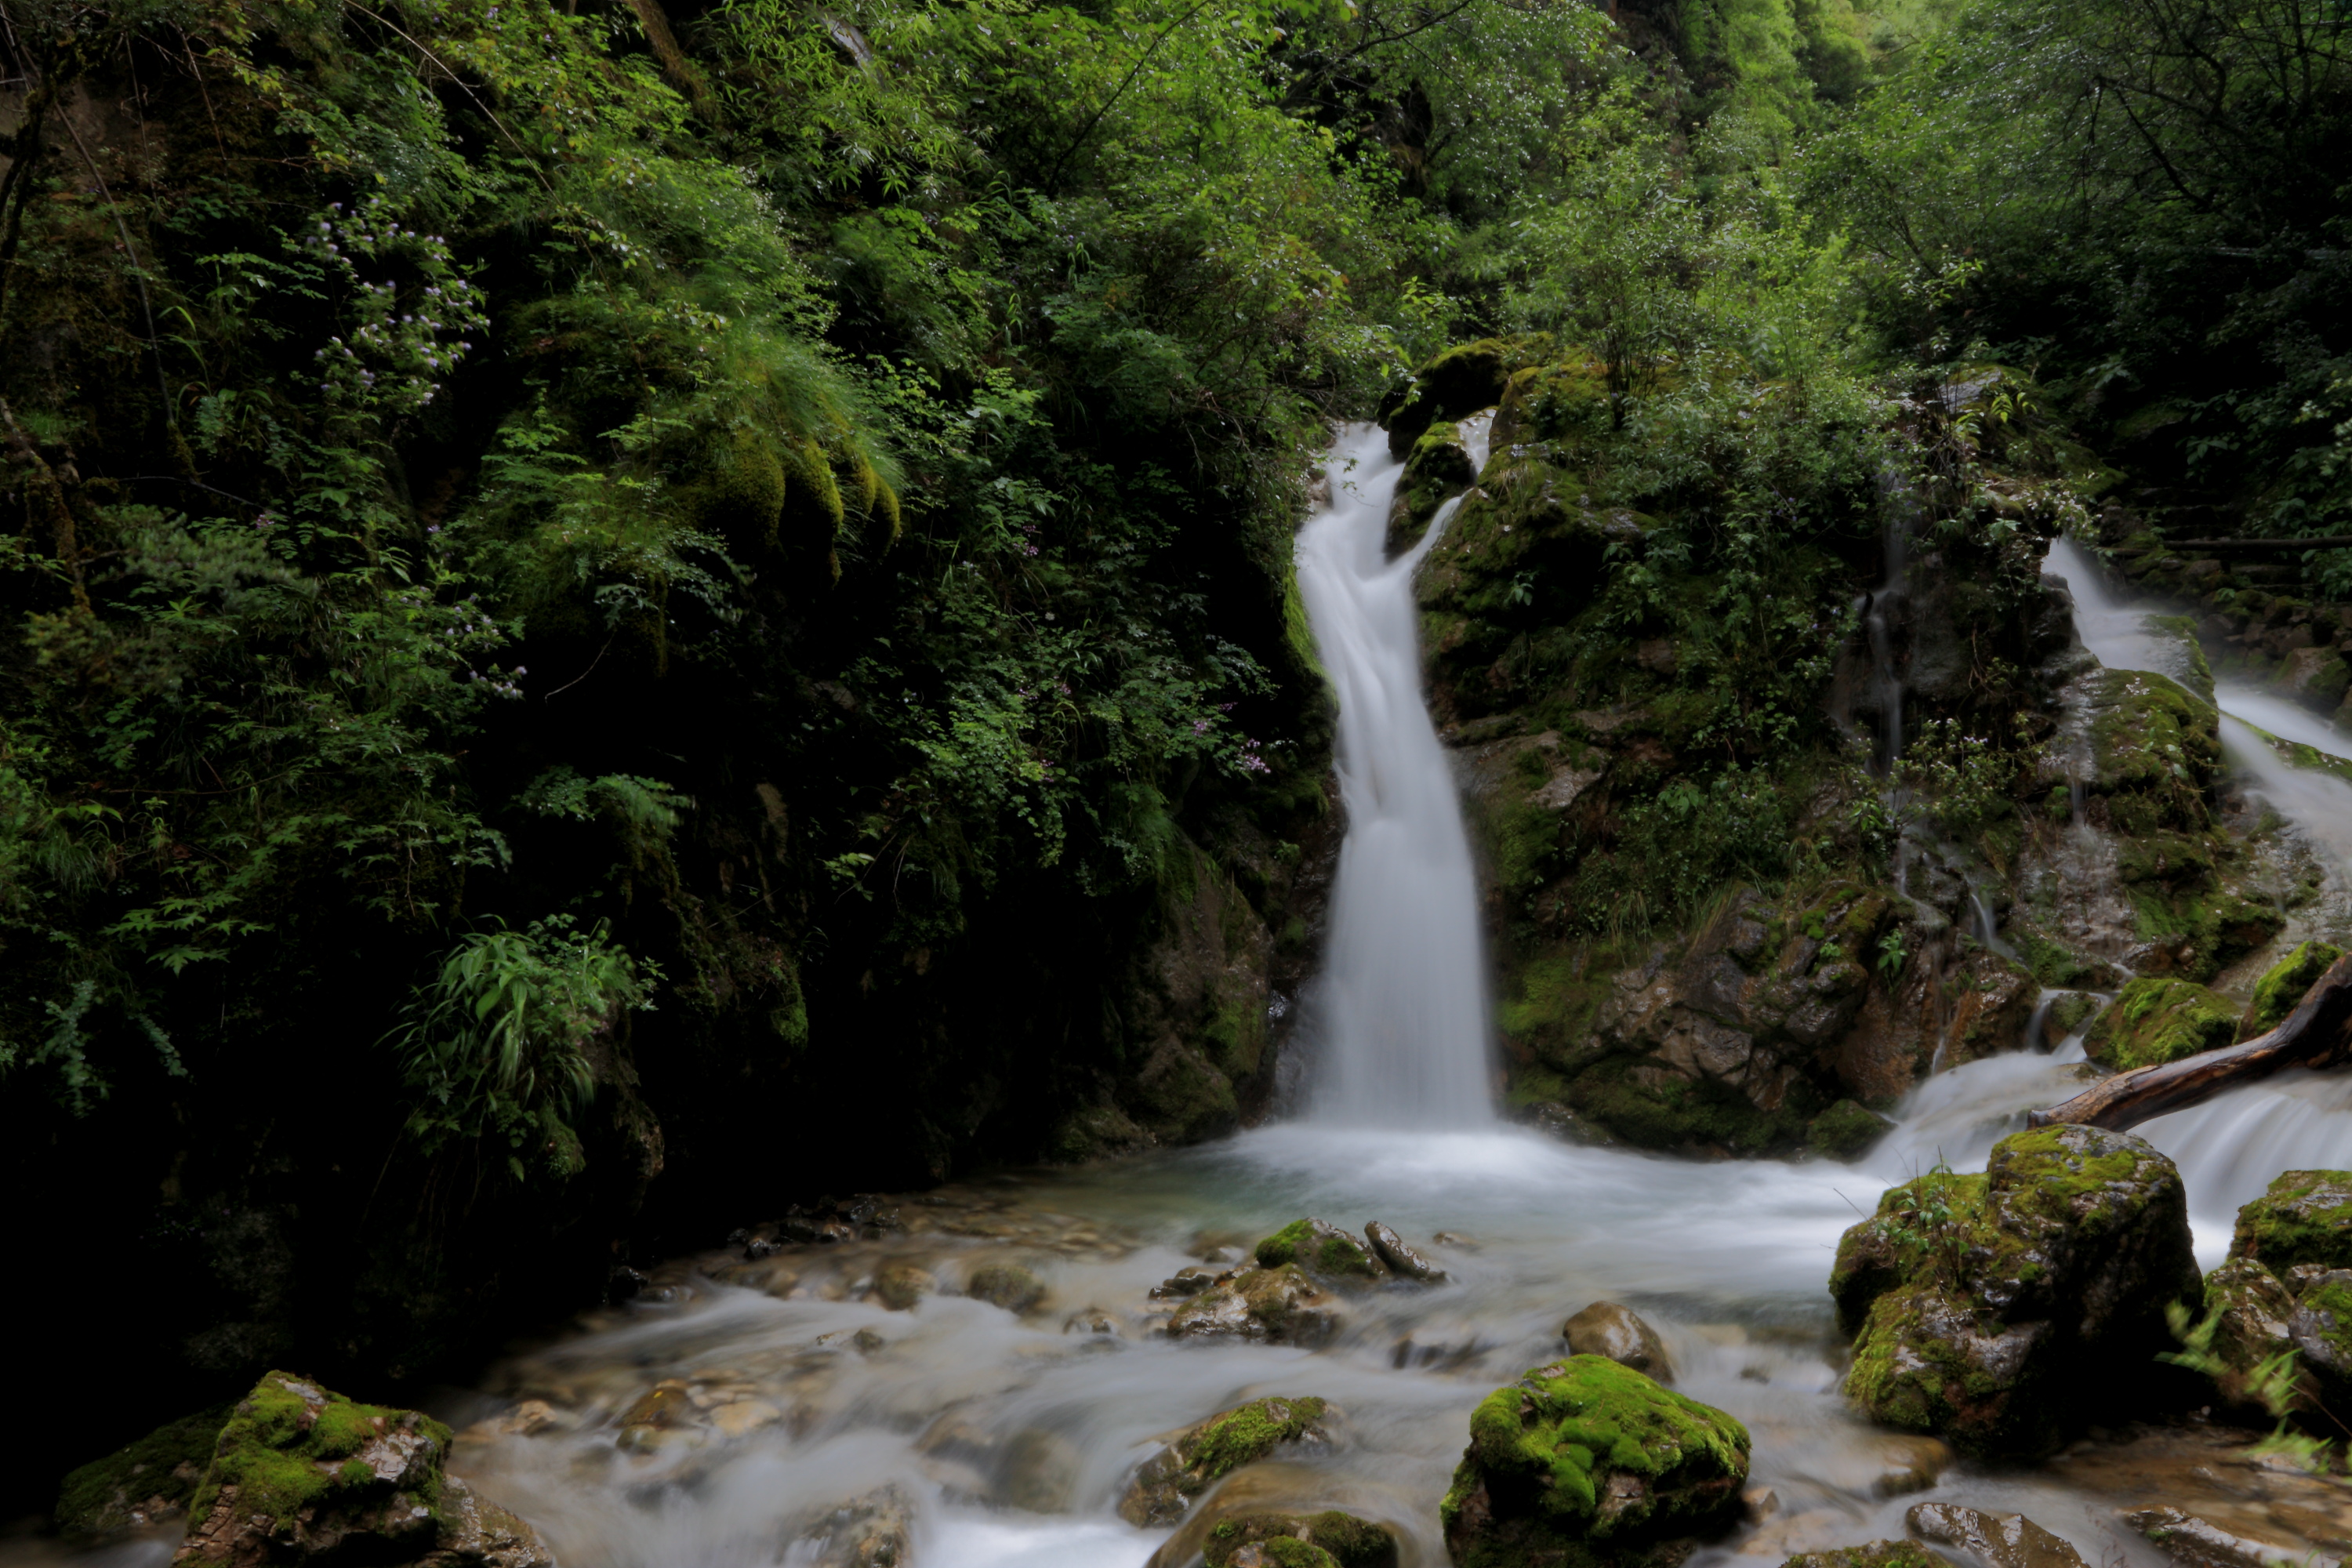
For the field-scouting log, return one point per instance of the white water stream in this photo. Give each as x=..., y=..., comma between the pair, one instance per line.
x=1404, y=992
x=1013, y=1438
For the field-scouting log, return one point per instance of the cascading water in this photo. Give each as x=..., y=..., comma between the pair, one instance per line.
x=1403, y=995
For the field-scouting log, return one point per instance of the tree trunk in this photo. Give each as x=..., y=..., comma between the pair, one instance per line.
x=2318, y=1034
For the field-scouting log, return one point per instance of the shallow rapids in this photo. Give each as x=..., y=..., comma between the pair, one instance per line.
x=1014, y=1435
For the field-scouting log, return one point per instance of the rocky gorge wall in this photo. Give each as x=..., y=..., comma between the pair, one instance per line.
x=1703, y=951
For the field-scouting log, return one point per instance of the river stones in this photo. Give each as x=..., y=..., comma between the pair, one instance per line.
x=1166, y=1484
x=898, y=1286
x=1606, y=1329
x=1585, y=1462
x=1403, y=1260
x=1323, y=1250
x=2195, y=1543
x=1877, y=1555
x=2304, y=1218
x=1328, y=1539
x=1009, y=1286
x=300, y=1473
x=1277, y=1306
x=1997, y=1540
x=875, y=1530
x=1997, y=1310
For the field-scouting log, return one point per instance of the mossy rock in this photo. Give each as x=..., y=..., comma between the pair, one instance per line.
x=1566, y=402
x=1306, y=1541
x=2156, y=751
x=2155, y=1020
x=2280, y=989
x=1009, y=1286
x=1323, y=1250
x=1584, y=1462
x=1995, y=1310
x=2305, y=1217
x=1877, y=1555
x=1463, y=380
x=1845, y=1130
x=2249, y=1309
x=2321, y=1332
x=134, y=1487
x=1277, y=1305
x=1199, y=1457
x=1439, y=468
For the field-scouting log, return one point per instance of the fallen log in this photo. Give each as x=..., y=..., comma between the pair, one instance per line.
x=2318, y=1034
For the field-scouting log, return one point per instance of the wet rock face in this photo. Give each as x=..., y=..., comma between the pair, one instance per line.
x=1274, y=1306
x=300, y=1474
x=1605, y=1329
x=1994, y=1309
x=2305, y=1217
x=875, y=1530
x=1876, y=1554
x=1403, y=1261
x=1165, y=1485
x=1584, y=1462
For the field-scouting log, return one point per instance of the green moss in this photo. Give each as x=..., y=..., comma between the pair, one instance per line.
x=1679, y=1113
x=1320, y=1248
x=96, y=1501
x=2155, y=1020
x=2304, y=1218
x=1558, y=1433
x=1846, y=1130
x=2157, y=750
x=2280, y=989
x=280, y=1445
x=1248, y=1434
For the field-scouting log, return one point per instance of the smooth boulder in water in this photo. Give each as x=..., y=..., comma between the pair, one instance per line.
x=1326, y=1539
x=1997, y=1540
x=1403, y=1261
x=2001, y=1310
x=1200, y=1456
x=1584, y=1463
x=300, y=1474
x=1606, y=1329
x=1277, y=1306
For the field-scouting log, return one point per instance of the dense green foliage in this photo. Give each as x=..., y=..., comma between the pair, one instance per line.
x=589, y=586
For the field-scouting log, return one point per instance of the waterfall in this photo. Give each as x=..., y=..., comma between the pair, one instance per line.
x=1404, y=989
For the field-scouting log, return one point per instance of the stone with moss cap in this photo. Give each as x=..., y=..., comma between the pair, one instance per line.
x=1323, y=1250
x=1200, y=1456
x=1330, y=1537
x=1994, y=1309
x=2282, y=986
x=145, y=1483
x=301, y=1473
x=1278, y=1306
x=1583, y=1463
x=2155, y=1020
x=2305, y=1217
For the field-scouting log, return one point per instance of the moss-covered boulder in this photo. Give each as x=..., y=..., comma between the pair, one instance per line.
x=2318, y=677
x=2001, y=1310
x=1200, y=1456
x=1584, y=1462
x=1463, y=380
x=1299, y=1541
x=300, y=1473
x=2279, y=989
x=1845, y=1130
x=1323, y=1250
x=2321, y=1332
x=146, y=1483
x=2155, y=1020
x=1277, y=1306
x=2305, y=1217
x=1441, y=466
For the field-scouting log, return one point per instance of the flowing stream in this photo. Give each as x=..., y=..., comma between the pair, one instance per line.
x=1009, y=1437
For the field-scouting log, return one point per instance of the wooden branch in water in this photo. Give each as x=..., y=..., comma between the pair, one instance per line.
x=2318, y=1034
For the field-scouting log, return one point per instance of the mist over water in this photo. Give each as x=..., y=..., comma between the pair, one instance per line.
x=1403, y=995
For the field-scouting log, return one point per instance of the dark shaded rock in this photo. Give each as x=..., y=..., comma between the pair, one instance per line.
x=1999, y=1309
x=1203, y=1455
x=1403, y=1260
x=2251, y=1310
x=300, y=1474
x=1998, y=1540
x=1462, y=380
x=1583, y=1462
x=146, y=1483
x=1606, y=1329
x=1845, y=1130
